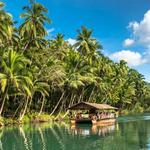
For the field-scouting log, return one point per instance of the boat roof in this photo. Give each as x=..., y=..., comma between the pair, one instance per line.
x=88, y=106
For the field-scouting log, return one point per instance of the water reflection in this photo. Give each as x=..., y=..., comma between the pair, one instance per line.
x=25, y=141
x=129, y=135
x=87, y=130
x=42, y=138
x=1, y=135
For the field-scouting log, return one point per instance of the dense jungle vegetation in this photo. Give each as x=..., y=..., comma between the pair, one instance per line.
x=44, y=75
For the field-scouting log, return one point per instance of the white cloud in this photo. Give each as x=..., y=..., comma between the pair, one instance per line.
x=132, y=58
x=134, y=25
x=141, y=30
x=50, y=30
x=71, y=41
x=141, y=35
x=128, y=42
x=147, y=55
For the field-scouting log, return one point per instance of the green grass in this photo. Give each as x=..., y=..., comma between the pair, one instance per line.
x=34, y=117
x=1, y=121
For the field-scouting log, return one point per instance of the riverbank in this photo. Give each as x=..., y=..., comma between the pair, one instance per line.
x=29, y=118
x=32, y=118
x=35, y=118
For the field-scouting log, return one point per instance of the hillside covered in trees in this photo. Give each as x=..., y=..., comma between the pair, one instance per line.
x=38, y=74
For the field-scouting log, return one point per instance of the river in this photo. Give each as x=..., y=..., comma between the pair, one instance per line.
x=129, y=133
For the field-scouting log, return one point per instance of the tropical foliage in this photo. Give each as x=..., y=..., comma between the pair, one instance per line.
x=38, y=74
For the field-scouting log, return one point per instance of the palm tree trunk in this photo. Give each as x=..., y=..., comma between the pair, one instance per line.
x=57, y=104
x=91, y=93
x=26, y=46
x=72, y=100
x=71, y=103
x=25, y=108
x=3, y=100
x=17, y=110
x=41, y=109
x=60, y=110
x=80, y=97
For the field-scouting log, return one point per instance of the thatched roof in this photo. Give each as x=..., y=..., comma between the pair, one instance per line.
x=88, y=106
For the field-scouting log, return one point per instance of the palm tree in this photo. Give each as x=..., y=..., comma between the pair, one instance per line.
x=32, y=31
x=79, y=76
x=139, y=85
x=59, y=46
x=26, y=90
x=12, y=75
x=42, y=88
x=86, y=44
x=6, y=27
x=59, y=43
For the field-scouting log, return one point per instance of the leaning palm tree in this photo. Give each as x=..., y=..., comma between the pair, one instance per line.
x=26, y=90
x=32, y=31
x=42, y=88
x=12, y=75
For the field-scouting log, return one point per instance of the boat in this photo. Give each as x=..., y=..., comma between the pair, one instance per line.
x=94, y=113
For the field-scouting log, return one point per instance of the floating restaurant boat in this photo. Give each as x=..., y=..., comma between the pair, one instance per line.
x=97, y=114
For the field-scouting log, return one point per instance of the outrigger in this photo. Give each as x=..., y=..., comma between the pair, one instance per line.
x=97, y=114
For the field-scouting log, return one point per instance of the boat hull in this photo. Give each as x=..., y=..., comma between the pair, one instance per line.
x=104, y=122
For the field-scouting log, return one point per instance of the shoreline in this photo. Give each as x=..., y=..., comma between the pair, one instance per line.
x=45, y=118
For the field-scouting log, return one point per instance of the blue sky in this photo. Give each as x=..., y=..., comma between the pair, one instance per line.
x=122, y=26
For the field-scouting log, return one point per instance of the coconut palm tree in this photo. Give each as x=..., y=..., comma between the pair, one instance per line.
x=12, y=75
x=6, y=27
x=42, y=88
x=32, y=30
x=59, y=46
x=86, y=44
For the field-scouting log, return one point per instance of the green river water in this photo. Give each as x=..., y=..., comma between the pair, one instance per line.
x=129, y=133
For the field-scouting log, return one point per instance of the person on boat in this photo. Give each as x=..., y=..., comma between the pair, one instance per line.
x=70, y=115
x=78, y=116
x=98, y=115
x=94, y=117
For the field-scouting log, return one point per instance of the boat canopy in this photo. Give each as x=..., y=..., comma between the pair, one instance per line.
x=91, y=106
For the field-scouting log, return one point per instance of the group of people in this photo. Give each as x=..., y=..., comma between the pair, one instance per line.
x=104, y=115
x=98, y=115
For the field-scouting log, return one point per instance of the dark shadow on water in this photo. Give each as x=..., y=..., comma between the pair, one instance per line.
x=85, y=122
